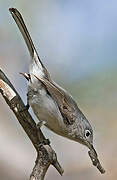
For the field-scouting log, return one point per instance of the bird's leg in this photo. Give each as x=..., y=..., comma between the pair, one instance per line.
x=45, y=141
x=26, y=107
x=40, y=124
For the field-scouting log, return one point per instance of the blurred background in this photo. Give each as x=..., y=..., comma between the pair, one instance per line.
x=77, y=42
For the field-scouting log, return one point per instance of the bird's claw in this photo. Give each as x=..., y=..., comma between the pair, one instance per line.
x=26, y=108
x=44, y=142
x=40, y=124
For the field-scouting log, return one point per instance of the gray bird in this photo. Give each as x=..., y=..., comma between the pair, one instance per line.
x=54, y=106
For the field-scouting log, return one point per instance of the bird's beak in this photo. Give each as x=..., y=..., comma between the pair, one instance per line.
x=94, y=157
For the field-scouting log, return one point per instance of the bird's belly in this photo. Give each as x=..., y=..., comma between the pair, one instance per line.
x=47, y=110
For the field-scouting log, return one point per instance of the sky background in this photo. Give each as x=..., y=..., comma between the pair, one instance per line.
x=77, y=42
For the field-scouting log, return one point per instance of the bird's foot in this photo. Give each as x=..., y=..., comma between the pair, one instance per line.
x=40, y=124
x=26, y=108
x=44, y=142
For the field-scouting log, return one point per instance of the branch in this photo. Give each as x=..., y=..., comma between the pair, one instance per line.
x=45, y=154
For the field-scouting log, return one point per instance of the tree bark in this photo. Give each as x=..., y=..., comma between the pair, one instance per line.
x=46, y=156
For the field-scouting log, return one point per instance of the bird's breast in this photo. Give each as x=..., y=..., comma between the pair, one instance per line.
x=46, y=109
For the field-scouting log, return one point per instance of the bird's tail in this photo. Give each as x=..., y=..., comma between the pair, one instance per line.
x=36, y=66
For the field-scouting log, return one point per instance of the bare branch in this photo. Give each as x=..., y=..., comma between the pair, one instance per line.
x=45, y=154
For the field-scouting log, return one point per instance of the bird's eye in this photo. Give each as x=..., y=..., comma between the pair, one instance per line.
x=87, y=133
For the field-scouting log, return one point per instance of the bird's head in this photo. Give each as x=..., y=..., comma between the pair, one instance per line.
x=82, y=132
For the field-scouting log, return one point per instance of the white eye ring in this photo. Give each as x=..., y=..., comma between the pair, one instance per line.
x=87, y=133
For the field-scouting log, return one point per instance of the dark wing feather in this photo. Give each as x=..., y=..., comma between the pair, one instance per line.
x=65, y=102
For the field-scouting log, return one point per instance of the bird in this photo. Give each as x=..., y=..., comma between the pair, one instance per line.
x=54, y=106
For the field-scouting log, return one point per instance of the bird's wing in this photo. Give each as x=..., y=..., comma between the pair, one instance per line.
x=64, y=102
